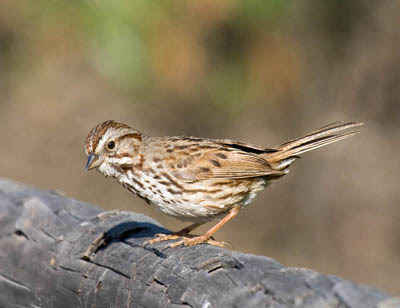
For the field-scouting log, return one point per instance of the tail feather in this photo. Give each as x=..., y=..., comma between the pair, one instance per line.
x=286, y=153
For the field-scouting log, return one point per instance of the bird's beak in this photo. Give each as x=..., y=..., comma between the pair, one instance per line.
x=92, y=162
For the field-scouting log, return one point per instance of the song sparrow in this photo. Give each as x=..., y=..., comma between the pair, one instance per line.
x=197, y=179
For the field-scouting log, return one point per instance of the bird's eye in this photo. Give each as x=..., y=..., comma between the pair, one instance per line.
x=111, y=145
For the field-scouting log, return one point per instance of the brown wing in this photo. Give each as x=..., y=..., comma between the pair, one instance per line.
x=223, y=159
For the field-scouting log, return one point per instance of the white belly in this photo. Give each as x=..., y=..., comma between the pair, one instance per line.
x=193, y=206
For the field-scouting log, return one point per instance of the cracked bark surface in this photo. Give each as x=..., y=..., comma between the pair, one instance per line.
x=44, y=233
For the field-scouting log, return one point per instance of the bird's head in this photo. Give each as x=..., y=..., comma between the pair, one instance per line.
x=112, y=147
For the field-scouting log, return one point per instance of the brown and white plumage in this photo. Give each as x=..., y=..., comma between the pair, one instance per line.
x=197, y=179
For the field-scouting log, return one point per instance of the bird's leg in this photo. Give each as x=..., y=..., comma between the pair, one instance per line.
x=206, y=238
x=181, y=233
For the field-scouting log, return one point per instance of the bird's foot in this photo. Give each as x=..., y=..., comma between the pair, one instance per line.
x=185, y=240
x=160, y=237
x=192, y=241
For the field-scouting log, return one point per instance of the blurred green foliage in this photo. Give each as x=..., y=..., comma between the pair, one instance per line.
x=186, y=48
x=227, y=53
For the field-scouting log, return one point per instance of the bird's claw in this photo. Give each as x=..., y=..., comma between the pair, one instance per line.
x=187, y=240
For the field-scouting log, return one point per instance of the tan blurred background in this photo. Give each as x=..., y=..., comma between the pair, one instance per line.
x=258, y=71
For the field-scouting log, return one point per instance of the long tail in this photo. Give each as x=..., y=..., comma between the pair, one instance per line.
x=287, y=152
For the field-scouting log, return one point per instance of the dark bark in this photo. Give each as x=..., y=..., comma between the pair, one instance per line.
x=44, y=233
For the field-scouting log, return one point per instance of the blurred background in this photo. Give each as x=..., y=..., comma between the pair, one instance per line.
x=258, y=71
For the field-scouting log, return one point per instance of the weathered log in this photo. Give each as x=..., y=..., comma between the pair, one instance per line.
x=43, y=235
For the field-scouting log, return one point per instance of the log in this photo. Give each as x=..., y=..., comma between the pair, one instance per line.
x=43, y=235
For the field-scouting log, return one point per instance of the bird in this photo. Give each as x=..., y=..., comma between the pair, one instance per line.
x=197, y=180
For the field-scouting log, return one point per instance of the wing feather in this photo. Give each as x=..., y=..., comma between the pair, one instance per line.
x=227, y=162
